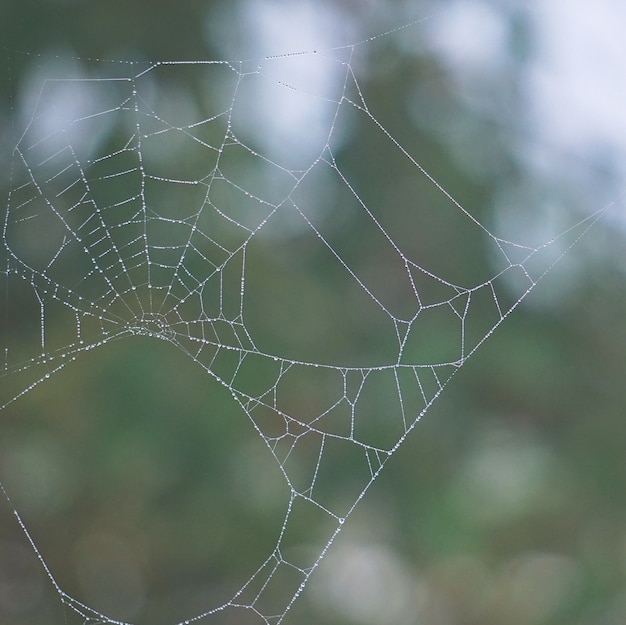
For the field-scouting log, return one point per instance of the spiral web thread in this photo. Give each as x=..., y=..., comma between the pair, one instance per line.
x=106, y=238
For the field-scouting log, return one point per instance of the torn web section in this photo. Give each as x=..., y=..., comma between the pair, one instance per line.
x=216, y=207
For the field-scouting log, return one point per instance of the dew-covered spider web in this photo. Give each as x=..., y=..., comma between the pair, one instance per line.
x=136, y=214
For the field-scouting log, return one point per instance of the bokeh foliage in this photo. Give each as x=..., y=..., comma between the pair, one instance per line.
x=505, y=505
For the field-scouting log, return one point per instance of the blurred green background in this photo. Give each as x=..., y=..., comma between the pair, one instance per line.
x=147, y=492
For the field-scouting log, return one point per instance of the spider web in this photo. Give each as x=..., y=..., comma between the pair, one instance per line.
x=131, y=217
